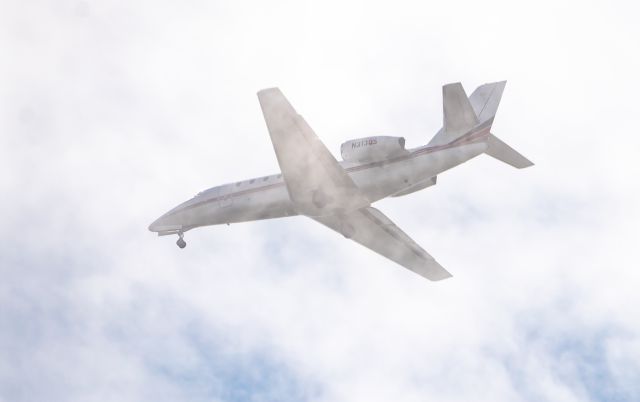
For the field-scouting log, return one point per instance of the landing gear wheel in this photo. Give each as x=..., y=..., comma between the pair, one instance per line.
x=181, y=243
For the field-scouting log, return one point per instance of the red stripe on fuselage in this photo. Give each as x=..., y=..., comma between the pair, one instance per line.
x=466, y=139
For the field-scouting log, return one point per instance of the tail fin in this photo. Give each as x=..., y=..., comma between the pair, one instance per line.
x=485, y=101
x=486, y=98
x=459, y=116
x=505, y=153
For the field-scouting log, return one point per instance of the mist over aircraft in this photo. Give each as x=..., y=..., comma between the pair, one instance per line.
x=339, y=194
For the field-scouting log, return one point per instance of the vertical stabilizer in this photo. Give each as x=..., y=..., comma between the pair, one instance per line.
x=486, y=99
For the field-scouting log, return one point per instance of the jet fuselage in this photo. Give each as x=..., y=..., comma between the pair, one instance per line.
x=339, y=195
x=267, y=197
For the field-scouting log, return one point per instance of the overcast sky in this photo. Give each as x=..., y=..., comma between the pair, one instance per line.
x=112, y=112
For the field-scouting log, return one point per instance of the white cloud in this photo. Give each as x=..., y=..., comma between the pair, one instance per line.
x=112, y=112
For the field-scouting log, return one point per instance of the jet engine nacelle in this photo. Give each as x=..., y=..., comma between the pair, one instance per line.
x=372, y=149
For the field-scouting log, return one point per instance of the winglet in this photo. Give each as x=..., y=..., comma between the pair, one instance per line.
x=459, y=116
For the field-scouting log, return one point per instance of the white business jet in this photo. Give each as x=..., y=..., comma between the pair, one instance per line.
x=339, y=194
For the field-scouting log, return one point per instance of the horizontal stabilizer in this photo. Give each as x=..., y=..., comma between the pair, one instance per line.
x=505, y=153
x=458, y=115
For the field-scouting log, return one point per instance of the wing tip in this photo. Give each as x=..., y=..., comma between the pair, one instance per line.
x=436, y=273
x=440, y=276
x=433, y=271
x=267, y=91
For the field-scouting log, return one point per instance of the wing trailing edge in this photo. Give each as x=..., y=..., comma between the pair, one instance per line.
x=316, y=182
x=372, y=229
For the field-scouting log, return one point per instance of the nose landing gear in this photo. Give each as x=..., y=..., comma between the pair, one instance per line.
x=181, y=243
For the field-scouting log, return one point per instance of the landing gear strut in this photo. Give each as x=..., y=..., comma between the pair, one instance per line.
x=181, y=243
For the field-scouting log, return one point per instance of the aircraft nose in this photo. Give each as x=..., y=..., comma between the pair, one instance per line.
x=160, y=224
x=154, y=227
x=166, y=223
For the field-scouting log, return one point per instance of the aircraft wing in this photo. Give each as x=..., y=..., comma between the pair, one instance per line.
x=316, y=182
x=374, y=230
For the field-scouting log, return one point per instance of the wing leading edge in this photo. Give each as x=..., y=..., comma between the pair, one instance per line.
x=374, y=230
x=316, y=182
x=321, y=189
